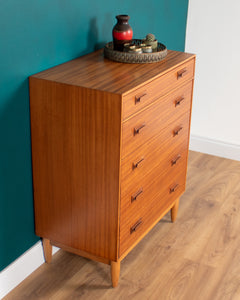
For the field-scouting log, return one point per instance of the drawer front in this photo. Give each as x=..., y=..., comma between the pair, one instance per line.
x=135, y=221
x=151, y=121
x=143, y=96
x=164, y=148
x=148, y=184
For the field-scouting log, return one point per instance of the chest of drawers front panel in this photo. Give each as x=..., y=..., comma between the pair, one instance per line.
x=154, y=154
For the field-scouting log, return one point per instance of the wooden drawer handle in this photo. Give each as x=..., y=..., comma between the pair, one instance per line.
x=135, y=226
x=134, y=196
x=139, y=97
x=174, y=188
x=174, y=161
x=135, y=165
x=137, y=129
x=181, y=73
x=176, y=131
x=178, y=101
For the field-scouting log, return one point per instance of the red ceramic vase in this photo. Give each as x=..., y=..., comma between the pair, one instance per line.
x=122, y=32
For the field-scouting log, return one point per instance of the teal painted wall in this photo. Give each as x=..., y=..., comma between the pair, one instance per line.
x=36, y=35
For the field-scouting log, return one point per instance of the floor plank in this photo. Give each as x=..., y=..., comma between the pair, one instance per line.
x=197, y=257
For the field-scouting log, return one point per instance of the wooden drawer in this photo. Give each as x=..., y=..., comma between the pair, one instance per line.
x=143, y=96
x=135, y=221
x=151, y=121
x=147, y=184
x=165, y=146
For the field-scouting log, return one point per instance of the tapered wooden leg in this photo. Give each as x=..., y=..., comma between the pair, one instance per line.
x=115, y=272
x=47, y=250
x=174, y=210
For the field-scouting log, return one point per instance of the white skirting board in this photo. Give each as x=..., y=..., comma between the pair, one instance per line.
x=21, y=268
x=214, y=147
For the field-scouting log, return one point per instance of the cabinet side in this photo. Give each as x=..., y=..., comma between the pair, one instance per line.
x=76, y=136
x=190, y=118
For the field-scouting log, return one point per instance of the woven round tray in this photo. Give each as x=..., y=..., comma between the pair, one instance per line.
x=135, y=58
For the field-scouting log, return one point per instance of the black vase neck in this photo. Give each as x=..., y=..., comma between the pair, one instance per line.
x=122, y=18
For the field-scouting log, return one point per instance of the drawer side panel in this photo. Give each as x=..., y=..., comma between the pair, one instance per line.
x=76, y=135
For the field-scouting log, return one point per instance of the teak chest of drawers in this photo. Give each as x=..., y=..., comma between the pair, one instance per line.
x=109, y=151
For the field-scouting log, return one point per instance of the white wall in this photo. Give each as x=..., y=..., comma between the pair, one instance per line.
x=213, y=33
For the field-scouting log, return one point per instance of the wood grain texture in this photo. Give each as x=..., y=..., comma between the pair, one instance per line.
x=81, y=253
x=151, y=182
x=174, y=210
x=155, y=118
x=160, y=150
x=159, y=177
x=156, y=88
x=47, y=250
x=195, y=258
x=76, y=135
x=95, y=72
x=150, y=208
x=115, y=272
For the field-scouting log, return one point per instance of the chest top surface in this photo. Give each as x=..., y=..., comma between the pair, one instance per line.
x=96, y=72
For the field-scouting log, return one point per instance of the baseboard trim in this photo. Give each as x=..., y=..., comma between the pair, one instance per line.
x=21, y=268
x=214, y=147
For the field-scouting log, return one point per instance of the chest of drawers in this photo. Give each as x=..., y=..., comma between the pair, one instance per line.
x=109, y=152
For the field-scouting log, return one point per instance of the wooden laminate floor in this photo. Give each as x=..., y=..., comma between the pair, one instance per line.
x=197, y=257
